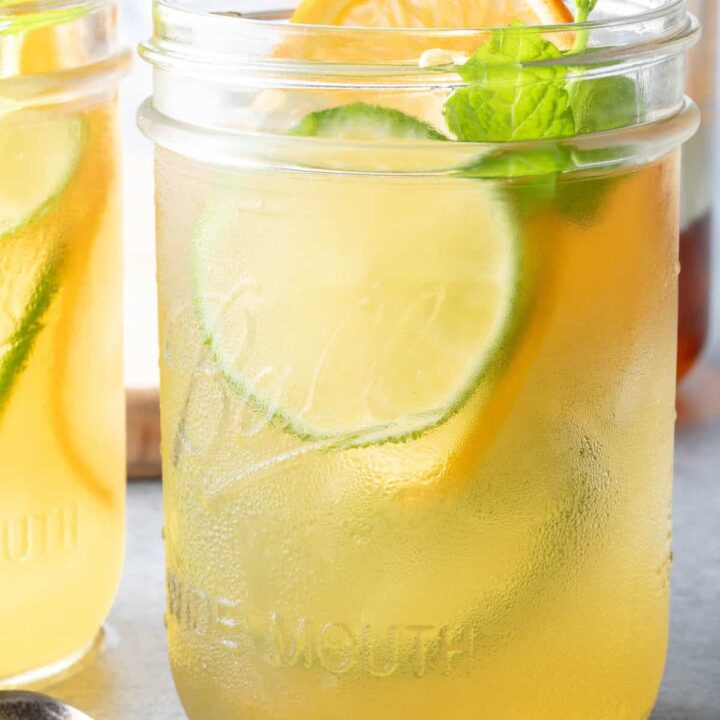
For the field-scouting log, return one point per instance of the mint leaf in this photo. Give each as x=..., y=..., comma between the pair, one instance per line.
x=600, y=104
x=506, y=100
x=536, y=170
x=540, y=161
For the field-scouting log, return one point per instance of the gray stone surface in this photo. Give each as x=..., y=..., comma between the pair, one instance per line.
x=691, y=690
x=130, y=679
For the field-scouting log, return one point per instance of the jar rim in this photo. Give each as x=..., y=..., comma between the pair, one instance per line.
x=263, y=18
x=222, y=72
x=23, y=15
x=241, y=148
x=56, y=49
x=21, y=7
x=213, y=36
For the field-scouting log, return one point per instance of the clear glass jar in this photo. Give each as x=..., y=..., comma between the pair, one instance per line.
x=417, y=395
x=61, y=384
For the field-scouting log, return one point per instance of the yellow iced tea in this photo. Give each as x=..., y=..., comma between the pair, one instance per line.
x=514, y=559
x=61, y=389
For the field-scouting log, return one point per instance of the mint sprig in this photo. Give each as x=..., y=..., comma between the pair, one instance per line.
x=512, y=96
x=505, y=100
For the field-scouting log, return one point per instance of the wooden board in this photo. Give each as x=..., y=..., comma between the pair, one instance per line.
x=143, y=434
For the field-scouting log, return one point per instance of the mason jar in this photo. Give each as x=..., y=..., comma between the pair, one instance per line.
x=62, y=427
x=418, y=334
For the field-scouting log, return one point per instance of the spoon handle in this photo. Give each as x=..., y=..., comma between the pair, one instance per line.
x=23, y=705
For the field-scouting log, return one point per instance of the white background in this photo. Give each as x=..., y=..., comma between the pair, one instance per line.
x=140, y=297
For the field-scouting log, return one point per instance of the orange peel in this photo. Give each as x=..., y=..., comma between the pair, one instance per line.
x=431, y=14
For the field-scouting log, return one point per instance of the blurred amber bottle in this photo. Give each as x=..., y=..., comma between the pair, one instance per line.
x=698, y=195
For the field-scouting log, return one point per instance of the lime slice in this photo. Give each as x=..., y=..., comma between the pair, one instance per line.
x=37, y=162
x=363, y=122
x=358, y=309
x=24, y=21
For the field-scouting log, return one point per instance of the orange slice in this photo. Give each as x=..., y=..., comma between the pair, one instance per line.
x=431, y=13
x=417, y=14
x=84, y=400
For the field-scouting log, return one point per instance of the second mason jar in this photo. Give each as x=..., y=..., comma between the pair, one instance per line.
x=418, y=341
x=62, y=460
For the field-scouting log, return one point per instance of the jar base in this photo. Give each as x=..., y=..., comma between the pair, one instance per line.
x=59, y=669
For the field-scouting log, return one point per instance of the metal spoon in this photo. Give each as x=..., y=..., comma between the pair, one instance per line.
x=18, y=705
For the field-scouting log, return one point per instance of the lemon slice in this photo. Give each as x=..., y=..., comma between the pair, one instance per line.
x=339, y=309
x=37, y=162
x=431, y=14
